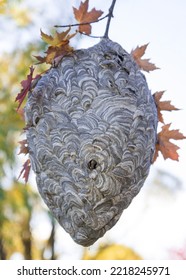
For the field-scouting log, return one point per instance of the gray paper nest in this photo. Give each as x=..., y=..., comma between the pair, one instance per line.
x=91, y=136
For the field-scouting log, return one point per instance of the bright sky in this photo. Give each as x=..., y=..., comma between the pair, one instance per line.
x=162, y=24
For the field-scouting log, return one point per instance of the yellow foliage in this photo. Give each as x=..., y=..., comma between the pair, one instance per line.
x=11, y=231
x=21, y=16
x=2, y=6
x=112, y=252
x=15, y=216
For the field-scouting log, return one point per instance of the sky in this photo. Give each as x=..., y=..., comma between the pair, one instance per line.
x=136, y=22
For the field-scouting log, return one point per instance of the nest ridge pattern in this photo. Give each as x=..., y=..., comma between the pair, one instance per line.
x=91, y=132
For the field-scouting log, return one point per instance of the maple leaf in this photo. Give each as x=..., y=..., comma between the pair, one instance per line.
x=23, y=147
x=83, y=16
x=58, y=39
x=55, y=54
x=26, y=86
x=168, y=149
x=59, y=46
x=162, y=105
x=143, y=64
x=25, y=170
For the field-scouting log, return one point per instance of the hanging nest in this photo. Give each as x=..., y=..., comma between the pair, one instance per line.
x=91, y=132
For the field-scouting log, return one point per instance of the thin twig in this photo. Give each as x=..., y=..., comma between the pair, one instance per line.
x=83, y=23
x=91, y=36
x=110, y=15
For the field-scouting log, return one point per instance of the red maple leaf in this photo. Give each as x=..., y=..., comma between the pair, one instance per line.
x=26, y=86
x=25, y=170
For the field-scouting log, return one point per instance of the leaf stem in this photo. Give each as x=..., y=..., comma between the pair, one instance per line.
x=110, y=15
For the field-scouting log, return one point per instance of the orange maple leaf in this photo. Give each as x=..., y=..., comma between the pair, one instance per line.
x=162, y=105
x=168, y=149
x=83, y=16
x=143, y=64
x=59, y=46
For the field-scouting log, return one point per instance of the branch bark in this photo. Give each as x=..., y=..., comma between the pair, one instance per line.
x=110, y=15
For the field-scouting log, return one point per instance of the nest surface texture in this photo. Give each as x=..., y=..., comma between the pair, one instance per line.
x=91, y=132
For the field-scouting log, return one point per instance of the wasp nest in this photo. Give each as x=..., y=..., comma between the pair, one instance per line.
x=91, y=136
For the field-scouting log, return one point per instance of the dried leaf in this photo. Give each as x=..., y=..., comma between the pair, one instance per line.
x=25, y=170
x=143, y=64
x=83, y=16
x=59, y=46
x=41, y=59
x=46, y=38
x=26, y=86
x=168, y=149
x=162, y=105
x=23, y=147
x=55, y=53
x=58, y=39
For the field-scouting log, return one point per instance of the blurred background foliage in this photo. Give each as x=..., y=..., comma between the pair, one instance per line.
x=17, y=200
x=112, y=252
x=20, y=203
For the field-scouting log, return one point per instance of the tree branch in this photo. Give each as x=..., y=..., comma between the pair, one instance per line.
x=83, y=23
x=91, y=36
x=110, y=15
